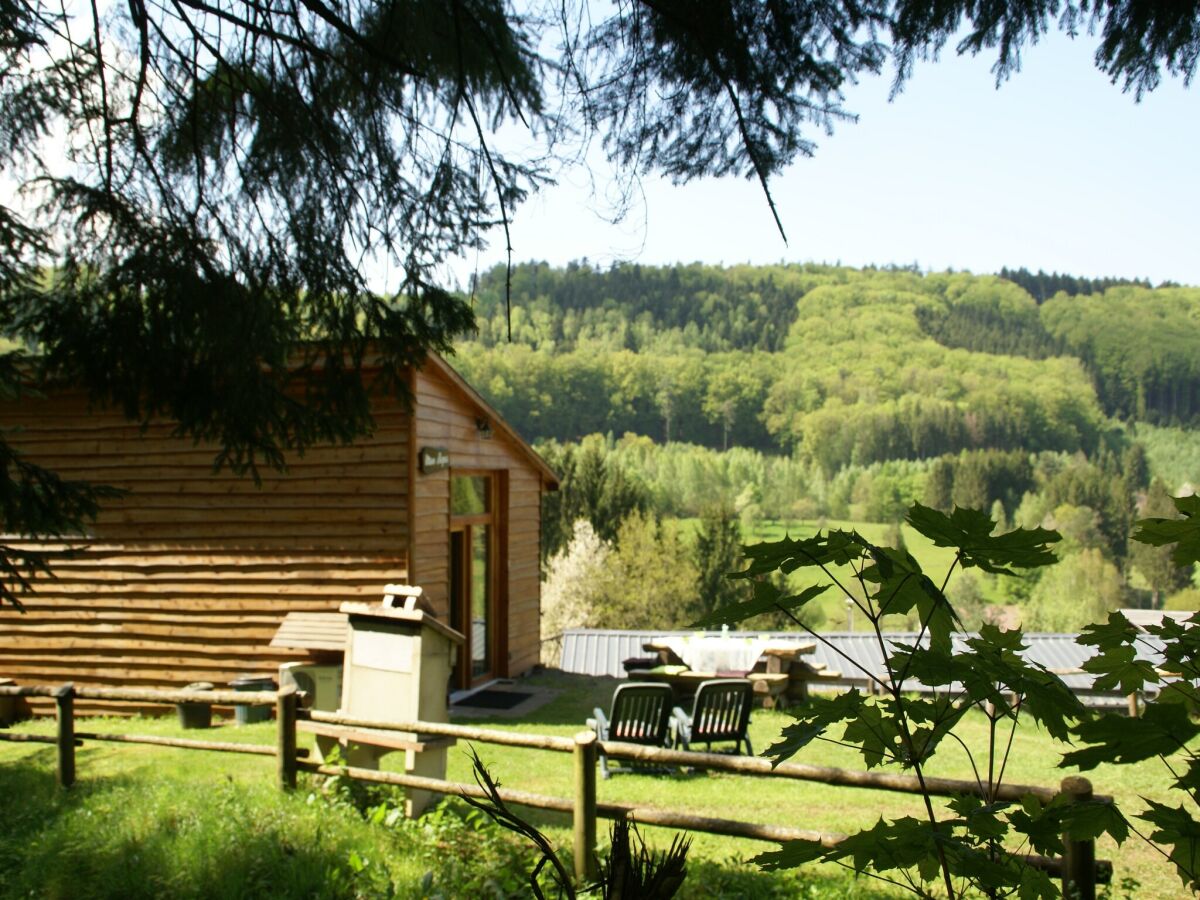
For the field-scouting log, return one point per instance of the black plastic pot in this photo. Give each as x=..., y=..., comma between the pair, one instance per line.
x=245, y=715
x=639, y=664
x=195, y=715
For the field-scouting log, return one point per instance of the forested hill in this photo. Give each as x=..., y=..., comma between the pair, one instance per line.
x=634, y=307
x=843, y=365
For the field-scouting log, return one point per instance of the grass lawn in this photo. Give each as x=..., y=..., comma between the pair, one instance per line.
x=150, y=821
x=810, y=805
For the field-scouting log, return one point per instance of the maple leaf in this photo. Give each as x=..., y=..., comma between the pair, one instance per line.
x=969, y=531
x=1185, y=532
x=1163, y=728
x=767, y=598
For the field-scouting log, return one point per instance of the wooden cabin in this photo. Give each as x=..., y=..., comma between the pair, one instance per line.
x=188, y=576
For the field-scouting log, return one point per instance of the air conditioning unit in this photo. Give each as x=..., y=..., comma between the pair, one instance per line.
x=323, y=684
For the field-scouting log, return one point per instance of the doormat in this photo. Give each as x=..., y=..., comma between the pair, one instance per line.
x=489, y=699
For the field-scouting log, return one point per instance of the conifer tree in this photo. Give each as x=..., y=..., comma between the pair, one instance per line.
x=718, y=552
x=210, y=182
x=1155, y=563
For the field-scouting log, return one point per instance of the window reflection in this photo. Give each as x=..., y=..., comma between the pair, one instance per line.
x=470, y=495
x=481, y=637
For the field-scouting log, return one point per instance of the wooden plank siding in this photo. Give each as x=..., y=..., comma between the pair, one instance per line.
x=446, y=417
x=187, y=577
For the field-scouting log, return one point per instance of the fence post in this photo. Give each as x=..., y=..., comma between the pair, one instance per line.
x=285, y=747
x=64, y=701
x=585, y=805
x=1079, y=857
x=1132, y=701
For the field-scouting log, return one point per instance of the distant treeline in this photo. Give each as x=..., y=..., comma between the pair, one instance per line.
x=1044, y=285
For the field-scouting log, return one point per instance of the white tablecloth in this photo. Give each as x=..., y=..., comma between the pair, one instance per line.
x=718, y=654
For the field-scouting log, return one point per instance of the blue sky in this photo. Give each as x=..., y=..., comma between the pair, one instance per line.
x=1058, y=169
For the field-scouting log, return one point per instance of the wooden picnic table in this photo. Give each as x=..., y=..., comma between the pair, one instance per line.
x=363, y=747
x=777, y=654
x=779, y=673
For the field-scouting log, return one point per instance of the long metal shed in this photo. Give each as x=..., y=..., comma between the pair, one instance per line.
x=601, y=652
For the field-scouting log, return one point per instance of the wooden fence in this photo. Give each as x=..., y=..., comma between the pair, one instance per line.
x=1078, y=868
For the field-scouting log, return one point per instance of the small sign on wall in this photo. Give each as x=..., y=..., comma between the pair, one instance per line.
x=433, y=459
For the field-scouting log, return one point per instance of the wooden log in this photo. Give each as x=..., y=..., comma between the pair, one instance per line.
x=22, y=738
x=648, y=815
x=27, y=691
x=754, y=765
x=745, y=765
x=1053, y=866
x=1079, y=857
x=144, y=695
x=183, y=743
x=285, y=716
x=64, y=701
x=466, y=732
x=584, y=814
x=644, y=815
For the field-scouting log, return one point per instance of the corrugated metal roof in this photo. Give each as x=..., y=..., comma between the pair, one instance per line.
x=1141, y=618
x=601, y=652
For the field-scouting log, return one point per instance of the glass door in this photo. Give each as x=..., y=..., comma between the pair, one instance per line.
x=473, y=575
x=482, y=626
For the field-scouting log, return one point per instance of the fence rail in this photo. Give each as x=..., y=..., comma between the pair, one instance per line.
x=1079, y=869
x=721, y=762
x=148, y=695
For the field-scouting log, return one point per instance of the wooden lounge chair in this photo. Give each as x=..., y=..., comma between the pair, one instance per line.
x=641, y=714
x=720, y=713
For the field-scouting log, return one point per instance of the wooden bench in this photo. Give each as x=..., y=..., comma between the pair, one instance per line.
x=375, y=738
x=362, y=748
x=801, y=674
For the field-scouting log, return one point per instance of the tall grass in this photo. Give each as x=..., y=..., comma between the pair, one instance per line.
x=164, y=831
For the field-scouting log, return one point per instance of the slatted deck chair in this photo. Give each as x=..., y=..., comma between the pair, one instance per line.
x=641, y=714
x=720, y=713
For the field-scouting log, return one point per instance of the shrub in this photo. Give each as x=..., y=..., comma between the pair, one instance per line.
x=570, y=589
x=649, y=581
x=1188, y=599
x=1081, y=590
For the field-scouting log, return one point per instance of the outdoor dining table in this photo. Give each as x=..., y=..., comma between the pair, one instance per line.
x=778, y=654
x=785, y=673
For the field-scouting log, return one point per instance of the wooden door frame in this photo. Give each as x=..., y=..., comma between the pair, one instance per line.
x=496, y=520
